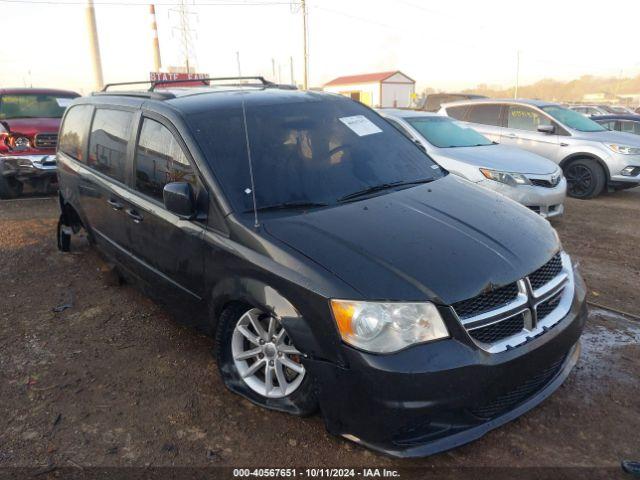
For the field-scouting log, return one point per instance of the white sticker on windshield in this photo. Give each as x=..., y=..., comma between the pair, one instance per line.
x=360, y=125
x=64, y=102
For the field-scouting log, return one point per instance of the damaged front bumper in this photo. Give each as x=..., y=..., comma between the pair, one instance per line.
x=24, y=167
x=440, y=395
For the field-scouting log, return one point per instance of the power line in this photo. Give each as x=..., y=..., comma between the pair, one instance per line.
x=224, y=3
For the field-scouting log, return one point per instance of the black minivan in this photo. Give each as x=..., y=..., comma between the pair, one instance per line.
x=338, y=266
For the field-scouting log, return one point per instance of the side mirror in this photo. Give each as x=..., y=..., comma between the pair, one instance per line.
x=549, y=129
x=178, y=199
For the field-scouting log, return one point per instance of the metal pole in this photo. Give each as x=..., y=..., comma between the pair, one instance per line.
x=515, y=93
x=238, y=60
x=273, y=69
x=157, y=62
x=94, y=45
x=293, y=82
x=306, y=52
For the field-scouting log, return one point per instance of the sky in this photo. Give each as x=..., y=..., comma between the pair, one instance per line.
x=446, y=45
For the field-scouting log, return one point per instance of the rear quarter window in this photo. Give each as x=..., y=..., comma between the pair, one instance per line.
x=74, y=131
x=110, y=133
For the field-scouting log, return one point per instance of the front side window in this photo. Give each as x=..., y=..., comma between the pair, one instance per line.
x=573, y=119
x=484, y=114
x=160, y=160
x=33, y=106
x=446, y=133
x=630, y=127
x=74, y=131
x=525, y=118
x=319, y=149
x=609, y=124
x=108, y=142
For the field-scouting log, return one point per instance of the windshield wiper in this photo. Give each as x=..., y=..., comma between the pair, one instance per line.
x=382, y=186
x=290, y=205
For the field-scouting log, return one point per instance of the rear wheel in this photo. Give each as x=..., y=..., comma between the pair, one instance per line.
x=257, y=359
x=585, y=178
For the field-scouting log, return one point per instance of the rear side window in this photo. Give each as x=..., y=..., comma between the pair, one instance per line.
x=630, y=127
x=457, y=112
x=484, y=114
x=108, y=142
x=74, y=131
x=525, y=118
x=160, y=160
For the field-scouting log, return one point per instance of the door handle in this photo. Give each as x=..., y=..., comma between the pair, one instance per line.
x=137, y=218
x=116, y=205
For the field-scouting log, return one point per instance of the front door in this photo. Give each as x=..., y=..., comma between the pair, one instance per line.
x=522, y=131
x=169, y=250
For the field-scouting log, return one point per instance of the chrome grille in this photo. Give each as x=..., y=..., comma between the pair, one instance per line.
x=486, y=301
x=46, y=140
x=516, y=313
x=546, y=273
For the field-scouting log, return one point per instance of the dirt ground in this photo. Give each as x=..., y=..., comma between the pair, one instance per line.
x=96, y=375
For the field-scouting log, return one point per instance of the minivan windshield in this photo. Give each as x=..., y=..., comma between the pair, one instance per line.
x=573, y=119
x=33, y=106
x=315, y=150
x=443, y=132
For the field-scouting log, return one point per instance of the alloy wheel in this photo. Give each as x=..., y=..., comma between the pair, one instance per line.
x=579, y=180
x=264, y=356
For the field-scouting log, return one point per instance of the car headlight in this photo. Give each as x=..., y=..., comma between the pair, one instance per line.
x=21, y=142
x=623, y=149
x=387, y=327
x=509, y=178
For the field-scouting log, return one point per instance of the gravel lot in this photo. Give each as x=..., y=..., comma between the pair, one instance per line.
x=113, y=381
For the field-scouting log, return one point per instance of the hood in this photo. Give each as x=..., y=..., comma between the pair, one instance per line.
x=609, y=136
x=444, y=241
x=499, y=157
x=32, y=126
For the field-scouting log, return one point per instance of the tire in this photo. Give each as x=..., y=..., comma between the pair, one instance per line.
x=63, y=236
x=585, y=178
x=292, y=391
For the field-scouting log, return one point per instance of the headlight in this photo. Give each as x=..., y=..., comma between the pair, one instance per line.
x=623, y=149
x=21, y=142
x=387, y=327
x=509, y=178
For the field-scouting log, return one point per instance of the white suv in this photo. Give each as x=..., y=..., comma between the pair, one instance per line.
x=592, y=157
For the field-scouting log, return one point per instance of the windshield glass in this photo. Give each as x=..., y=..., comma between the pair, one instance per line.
x=572, y=119
x=446, y=133
x=33, y=106
x=309, y=151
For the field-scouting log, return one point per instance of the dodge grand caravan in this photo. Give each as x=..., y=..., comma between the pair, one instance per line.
x=336, y=264
x=592, y=157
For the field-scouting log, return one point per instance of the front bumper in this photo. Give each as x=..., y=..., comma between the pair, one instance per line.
x=28, y=166
x=437, y=396
x=548, y=202
x=617, y=163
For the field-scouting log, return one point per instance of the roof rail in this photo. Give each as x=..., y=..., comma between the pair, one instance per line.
x=154, y=83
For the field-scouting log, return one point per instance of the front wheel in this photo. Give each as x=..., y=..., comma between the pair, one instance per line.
x=258, y=360
x=585, y=178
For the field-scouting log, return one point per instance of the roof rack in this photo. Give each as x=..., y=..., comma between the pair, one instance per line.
x=154, y=83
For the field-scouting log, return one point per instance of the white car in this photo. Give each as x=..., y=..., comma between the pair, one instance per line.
x=525, y=177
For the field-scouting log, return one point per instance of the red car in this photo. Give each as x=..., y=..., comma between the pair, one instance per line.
x=29, y=122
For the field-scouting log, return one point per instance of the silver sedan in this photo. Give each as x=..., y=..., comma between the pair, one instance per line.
x=525, y=177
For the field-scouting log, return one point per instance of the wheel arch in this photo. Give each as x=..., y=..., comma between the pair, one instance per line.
x=259, y=294
x=581, y=155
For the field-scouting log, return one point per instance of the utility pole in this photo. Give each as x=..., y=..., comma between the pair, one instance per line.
x=94, y=45
x=273, y=69
x=238, y=60
x=157, y=62
x=293, y=82
x=515, y=93
x=306, y=51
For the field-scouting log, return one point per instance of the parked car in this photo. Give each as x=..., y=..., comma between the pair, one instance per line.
x=620, y=123
x=592, y=157
x=29, y=122
x=525, y=177
x=337, y=264
x=434, y=101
